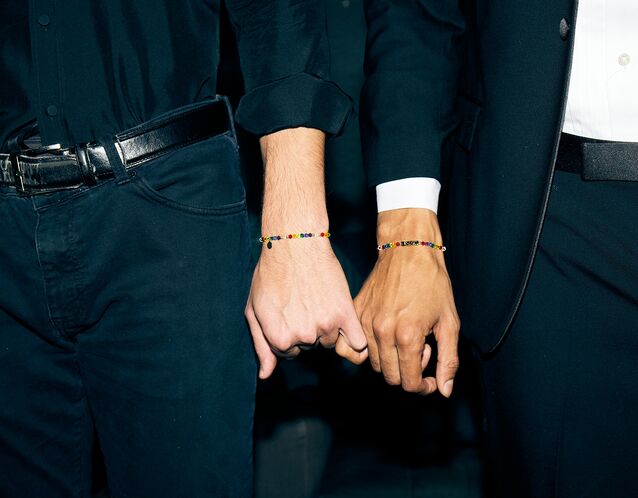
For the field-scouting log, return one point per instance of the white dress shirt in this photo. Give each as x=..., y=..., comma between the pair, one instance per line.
x=603, y=92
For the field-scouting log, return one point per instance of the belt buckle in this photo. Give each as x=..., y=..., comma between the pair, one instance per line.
x=19, y=173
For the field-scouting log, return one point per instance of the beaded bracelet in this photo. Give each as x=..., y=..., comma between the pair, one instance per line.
x=269, y=238
x=425, y=243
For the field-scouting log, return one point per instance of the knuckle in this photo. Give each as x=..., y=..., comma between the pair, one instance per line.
x=450, y=363
x=366, y=324
x=383, y=328
x=281, y=342
x=328, y=340
x=325, y=323
x=407, y=335
x=248, y=311
x=291, y=353
x=411, y=386
x=392, y=380
x=307, y=337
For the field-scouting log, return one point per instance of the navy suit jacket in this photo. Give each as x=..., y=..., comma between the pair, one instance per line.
x=472, y=92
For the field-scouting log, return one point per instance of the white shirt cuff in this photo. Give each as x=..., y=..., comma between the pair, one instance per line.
x=408, y=193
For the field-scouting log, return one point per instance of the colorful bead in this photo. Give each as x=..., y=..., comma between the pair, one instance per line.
x=267, y=239
x=403, y=243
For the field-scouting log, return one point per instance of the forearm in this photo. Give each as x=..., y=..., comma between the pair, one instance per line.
x=294, y=190
x=408, y=224
x=299, y=295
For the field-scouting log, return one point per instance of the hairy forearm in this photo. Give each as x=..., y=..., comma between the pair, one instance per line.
x=299, y=295
x=294, y=190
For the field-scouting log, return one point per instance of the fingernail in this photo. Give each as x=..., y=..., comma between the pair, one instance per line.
x=447, y=388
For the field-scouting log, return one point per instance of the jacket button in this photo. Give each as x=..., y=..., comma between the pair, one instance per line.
x=52, y=110
x=563, y=29
x=44, y=20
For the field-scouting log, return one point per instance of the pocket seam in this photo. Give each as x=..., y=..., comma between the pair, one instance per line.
x=151, y=195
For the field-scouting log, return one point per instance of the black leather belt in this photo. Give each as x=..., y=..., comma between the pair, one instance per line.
x=48, y=170
x=598, y=160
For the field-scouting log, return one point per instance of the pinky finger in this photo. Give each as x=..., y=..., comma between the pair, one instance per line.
x=344, y=350
x=267, y=359
x=425, y=359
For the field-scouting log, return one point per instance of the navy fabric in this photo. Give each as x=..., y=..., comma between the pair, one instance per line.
x=88, y=69
x=561, y=393
x=121, y=321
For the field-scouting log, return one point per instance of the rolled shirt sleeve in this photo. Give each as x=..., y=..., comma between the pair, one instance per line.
x=285, y=61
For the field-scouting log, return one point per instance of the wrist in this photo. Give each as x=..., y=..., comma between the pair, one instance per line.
x=408, y=224
x=294, y=225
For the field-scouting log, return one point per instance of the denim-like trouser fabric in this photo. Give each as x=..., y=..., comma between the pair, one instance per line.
x=121, y=318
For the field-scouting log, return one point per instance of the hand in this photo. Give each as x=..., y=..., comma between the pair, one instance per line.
x=299, y=296
x=408, y=296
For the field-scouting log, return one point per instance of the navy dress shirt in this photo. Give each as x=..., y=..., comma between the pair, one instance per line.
x=84, y=69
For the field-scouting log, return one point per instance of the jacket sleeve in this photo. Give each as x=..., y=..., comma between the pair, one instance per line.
x=413, y=53
x=284, y=56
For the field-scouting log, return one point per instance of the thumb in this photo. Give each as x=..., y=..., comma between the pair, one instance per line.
x=447, y=338
x=267, y=359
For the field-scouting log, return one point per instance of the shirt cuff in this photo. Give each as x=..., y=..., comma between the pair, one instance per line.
x=408, y=193
x=298, y=100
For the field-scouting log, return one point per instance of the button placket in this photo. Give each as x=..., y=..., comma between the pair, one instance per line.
x=44, y=50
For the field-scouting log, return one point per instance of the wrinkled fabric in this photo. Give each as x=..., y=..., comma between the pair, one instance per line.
x=88, y=69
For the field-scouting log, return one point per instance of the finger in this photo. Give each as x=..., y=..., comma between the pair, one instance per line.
x=410, y=361
x=373, y=348
x=290, y=353
x=388, y=356
x=267, y=359
x=309, y=347
x=353, y=333
x=430, y=382
x=366, y=325
x=447, y=338
x=425, y=359
x=328, y=339
x=345, y=351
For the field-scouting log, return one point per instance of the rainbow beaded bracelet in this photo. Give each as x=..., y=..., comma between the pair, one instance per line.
x=268, y=239
x=403, y=243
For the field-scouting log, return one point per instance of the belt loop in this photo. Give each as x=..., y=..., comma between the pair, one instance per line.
x=119, y=168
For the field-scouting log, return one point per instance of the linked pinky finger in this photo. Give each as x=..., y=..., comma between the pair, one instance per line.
x=344, y=350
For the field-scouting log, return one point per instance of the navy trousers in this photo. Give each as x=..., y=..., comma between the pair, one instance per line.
x=561, y=393
x=121, y=322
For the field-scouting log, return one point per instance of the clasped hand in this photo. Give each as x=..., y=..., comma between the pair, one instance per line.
x=300, y=297
x=407, y=297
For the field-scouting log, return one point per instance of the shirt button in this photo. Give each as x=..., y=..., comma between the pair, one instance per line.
x=44, y=20
x=52, y=110
x=563, y=29
x=624, y=59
